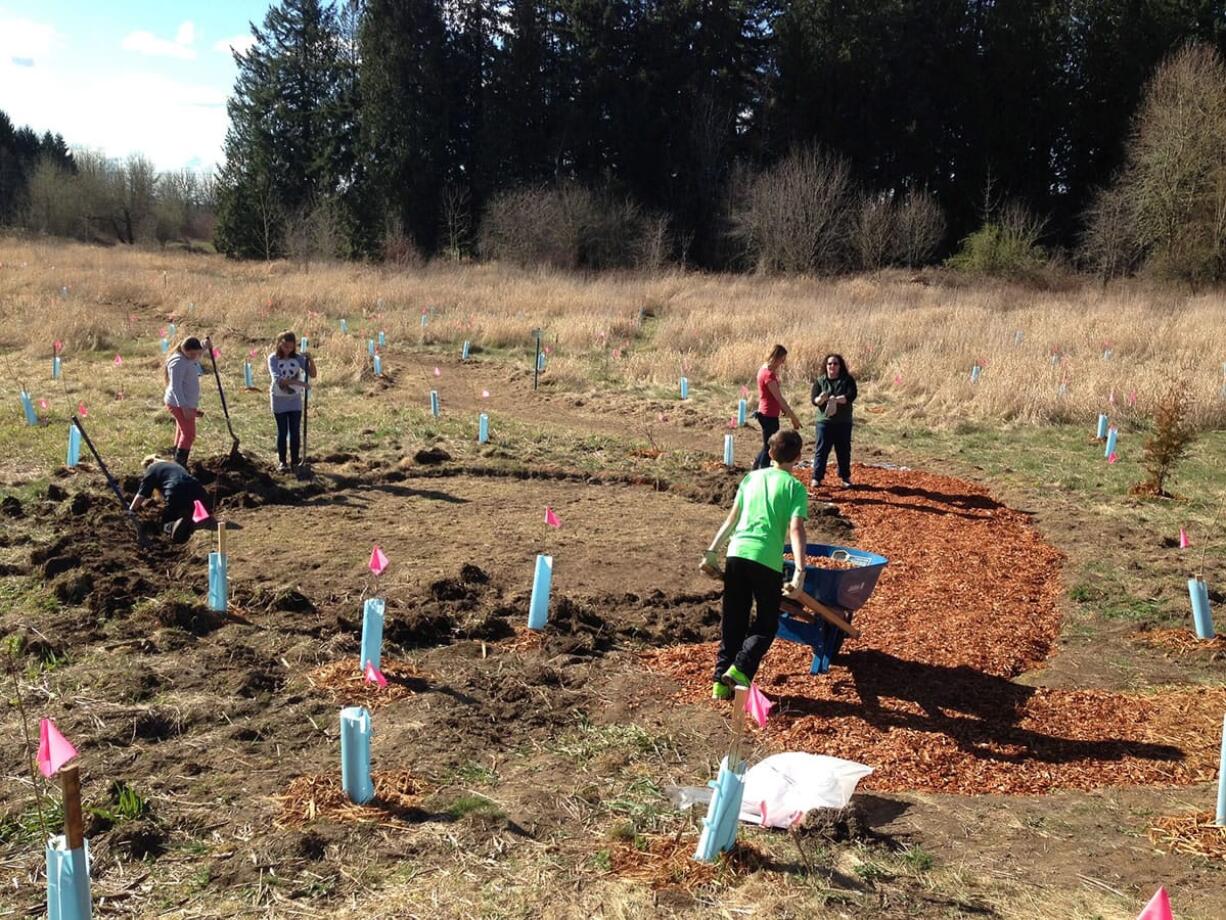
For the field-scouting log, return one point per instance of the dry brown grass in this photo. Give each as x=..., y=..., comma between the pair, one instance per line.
x=916, y=342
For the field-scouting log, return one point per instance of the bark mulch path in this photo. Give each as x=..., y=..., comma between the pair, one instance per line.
x=968, y=601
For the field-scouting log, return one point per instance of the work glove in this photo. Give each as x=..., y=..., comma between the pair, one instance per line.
x=710, y=564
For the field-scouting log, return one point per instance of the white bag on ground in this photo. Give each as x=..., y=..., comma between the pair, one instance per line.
x=783, y=787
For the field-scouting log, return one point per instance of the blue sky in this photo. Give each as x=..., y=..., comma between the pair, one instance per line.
x=137, y=76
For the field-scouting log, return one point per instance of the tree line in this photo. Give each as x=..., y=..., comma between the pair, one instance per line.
x=770, y=135
x=47, y=188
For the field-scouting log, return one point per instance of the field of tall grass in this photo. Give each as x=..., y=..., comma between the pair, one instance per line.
x=1045, y=356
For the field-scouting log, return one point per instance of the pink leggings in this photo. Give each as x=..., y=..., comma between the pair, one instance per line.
x=185, y=426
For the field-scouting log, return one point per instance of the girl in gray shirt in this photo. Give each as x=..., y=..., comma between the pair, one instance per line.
x=289, y=373
x=182, y=377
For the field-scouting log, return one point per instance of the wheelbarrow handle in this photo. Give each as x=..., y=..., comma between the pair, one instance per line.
x=826, y=613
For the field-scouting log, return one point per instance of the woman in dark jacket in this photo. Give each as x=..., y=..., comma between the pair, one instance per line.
x=833, y=394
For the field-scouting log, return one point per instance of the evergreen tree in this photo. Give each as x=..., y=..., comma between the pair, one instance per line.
x=289, y=147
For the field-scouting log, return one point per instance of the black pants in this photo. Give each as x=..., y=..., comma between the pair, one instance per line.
x=184, y=504
x=289, y=427
x=770, y=424
x=838, y=437
x=746, y=584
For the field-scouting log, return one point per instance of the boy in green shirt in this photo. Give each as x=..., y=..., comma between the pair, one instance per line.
x=771, y=504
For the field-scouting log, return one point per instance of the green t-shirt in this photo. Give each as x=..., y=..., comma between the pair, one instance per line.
x=770, y=498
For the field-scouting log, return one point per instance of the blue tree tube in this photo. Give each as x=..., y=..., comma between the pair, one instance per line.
x=728, y=450
x=540, y=361
x=370, y=347
x=1202, y=614
x=170, y=330
x=378, y=365
x=723, y=814
x=372, y=632
x=464, y=351
x=1220, y=818
x=542, y=583
x=67, y=880
x=434, y=403
x=685, y=388
x=483, y=428
x=976, y=370
x=27, y=406
x=304, y=343
x=248, y=376
x=164, y=345
x=55, y=368
x=219, y=582
x=1101, y=432
x=741, y=410
x=344, y=325
x=73, y=456
x=382, y=339
x=1113, y=435
x=355, y=754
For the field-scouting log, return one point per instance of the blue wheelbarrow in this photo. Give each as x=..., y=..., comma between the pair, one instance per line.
x=820, y=615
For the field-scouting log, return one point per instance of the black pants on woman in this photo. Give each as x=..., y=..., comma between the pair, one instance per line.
x=289, y=427
x=770, y=424
x=743, y=643
x=838, y=437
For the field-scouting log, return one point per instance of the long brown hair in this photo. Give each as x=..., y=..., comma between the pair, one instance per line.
x=286, y=336
x=778, y=353
x=191, y=343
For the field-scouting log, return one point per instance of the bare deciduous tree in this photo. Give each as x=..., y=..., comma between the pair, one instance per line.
x=873, y=233
x=920, y=226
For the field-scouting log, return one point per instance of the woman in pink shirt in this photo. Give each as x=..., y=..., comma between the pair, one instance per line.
x=771, y=403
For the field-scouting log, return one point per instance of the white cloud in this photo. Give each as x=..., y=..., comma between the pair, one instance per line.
x=239, y=43
x=25, y=39
x=143, y=42
x=172, y=122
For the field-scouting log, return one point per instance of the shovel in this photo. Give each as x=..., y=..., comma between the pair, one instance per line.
x=234, y=453
x=110, y=480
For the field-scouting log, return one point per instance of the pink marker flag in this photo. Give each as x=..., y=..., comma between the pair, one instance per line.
x=732, y=422
x=485, y=394
x=744, y=392
x=42, y=404
x=57, y=346
x=216, y=352
x=617, y=352
x=54, y=750
x=1132, y=397
x=550, y=518
x=378, y=560
x=1184, y=542
x=898, y=380
x=1111, y=398
x=437, y=372
x=118, y=360
x=253, y=353
x=1112, y=458
x=199, y=512
x=373, y=675
x=758, y=705
x=82, y=411
x=1158, y=908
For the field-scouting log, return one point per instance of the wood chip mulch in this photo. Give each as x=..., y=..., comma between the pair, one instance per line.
x=1182, y=643
x=343, y=681
x=525, y=639
x=1192, y=834
x=311, y=798
x=925, y=696
x=667, y=861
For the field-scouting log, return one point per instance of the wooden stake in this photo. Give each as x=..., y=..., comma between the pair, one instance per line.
x=738, y=725
x=70, y=782
x=221, y=537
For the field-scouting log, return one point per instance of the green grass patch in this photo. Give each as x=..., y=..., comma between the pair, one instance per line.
x=473, y=805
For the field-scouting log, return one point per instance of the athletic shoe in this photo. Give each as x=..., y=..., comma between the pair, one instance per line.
x=283, y=467
x=847, y=484
x=734, y=677
x=721, y=691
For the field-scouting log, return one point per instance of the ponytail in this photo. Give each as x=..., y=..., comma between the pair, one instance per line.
x=191, y=343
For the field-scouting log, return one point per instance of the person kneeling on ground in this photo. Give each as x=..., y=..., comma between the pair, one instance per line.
x=770, y=505
x=180, y=492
